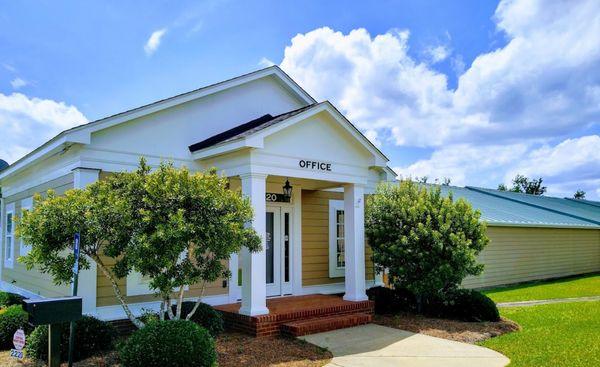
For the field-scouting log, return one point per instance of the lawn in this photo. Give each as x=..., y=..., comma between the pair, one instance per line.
x=582, y=286
x=553, y=335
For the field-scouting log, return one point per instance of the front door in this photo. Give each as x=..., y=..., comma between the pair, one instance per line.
x=278, y=250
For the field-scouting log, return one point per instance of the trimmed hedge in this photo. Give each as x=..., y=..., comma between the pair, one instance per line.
x=11, y=319
x=464, y=305
x=9, y=299
x=461, y=304
x=91, y=336
x=205, y=316
x=176, y=343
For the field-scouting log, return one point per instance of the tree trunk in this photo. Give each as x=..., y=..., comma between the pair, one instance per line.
x=180, y=302
x=162, y=310
x=189, y=315
x=107, y=273
x=169, y=309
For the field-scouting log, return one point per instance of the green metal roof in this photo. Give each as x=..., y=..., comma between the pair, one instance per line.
x=508, y=209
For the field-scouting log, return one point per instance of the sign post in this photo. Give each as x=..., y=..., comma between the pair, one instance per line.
x=75, y=281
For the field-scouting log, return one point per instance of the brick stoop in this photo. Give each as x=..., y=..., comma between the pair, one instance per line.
x=321, y=324
x=290, y=310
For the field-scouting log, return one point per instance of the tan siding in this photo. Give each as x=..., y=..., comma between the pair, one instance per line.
x=517, y=254
x=315, y=239
x=106, y=297
x=33, y=280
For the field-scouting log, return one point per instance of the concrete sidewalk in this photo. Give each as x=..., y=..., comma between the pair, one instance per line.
x=548, y=301
x=375, y=345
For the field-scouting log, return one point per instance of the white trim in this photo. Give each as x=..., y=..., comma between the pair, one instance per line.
x=26, y=204
x=297, y=240
x=7, y=287
x=115, y=312
x=334, y=270
x=333, y=288
x=8, y=259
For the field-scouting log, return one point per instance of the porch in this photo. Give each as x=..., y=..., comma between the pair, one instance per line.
x=299, y=315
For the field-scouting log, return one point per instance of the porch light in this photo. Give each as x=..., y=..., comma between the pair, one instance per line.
x=287, y=190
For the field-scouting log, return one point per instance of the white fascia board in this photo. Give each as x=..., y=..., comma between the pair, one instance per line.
x=228, y=147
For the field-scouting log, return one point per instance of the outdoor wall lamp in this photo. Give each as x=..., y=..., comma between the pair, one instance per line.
x=287, y=190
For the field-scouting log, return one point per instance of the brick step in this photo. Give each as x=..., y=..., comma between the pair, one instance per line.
x=321, y=324
x=366, y=307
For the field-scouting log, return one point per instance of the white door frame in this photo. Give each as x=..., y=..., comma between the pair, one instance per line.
x=280, y=287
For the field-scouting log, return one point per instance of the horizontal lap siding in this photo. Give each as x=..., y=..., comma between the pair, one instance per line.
x=315, y=239
x=106, y=296
x=33, y=280
x=517, y=254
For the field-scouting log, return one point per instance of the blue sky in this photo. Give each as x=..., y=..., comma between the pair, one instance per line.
x=476, y=91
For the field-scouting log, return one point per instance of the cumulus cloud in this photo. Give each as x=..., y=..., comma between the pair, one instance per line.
x=265, y=63
x=438, y=53
x=27, y=122
x=17, y=83
x=540, y=89
x=154, y=41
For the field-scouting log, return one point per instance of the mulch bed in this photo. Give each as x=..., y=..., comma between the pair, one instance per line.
x=234, y=349
x=466, y=332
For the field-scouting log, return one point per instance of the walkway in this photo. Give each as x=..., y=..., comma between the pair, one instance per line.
x=548, y=301
x=375, y=345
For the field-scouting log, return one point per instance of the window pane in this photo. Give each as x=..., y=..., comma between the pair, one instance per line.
x=9, y=223
x=269, y=249
x=286, y=239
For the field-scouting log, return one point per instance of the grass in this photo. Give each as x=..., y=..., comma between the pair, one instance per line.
x=561, y=334
x=582, y=286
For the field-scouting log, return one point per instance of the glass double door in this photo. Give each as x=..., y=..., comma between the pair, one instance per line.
x=278, y=250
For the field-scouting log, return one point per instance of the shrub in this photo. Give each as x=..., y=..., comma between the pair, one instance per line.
x=9, y=299
x=463, y=304
x=428, y=243
x=389, y=300
x=205, y=316
x=176, y=343
x=91, y=336
x=11, y=319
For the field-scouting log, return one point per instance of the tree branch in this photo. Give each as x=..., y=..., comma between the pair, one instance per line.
x=189, y=315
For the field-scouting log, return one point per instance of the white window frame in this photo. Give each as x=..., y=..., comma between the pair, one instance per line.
x=26, y=204
x=334, y=270
x=139, y=285
x=8, y=257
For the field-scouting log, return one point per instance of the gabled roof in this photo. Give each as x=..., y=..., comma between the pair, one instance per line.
x=246, y=129
x=500, y=211
x=81, y=134
x=251, y=134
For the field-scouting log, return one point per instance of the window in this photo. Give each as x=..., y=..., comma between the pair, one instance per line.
x=26, y=204
x=337, y=254
x=9, y=230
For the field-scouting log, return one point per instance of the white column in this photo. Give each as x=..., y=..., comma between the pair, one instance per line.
x=354, y=241
x=88, y=286
x=254, y=279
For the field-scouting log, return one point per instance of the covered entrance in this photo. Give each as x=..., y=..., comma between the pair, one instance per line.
x=278, y=250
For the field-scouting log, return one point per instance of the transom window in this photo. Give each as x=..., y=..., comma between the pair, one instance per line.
x=337, y=259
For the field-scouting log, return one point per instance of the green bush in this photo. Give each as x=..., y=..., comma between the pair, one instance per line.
x=9, y=299
x=463, y=304
x=389, y=301
x=91, y=336
x=169, y=343
x=11, y=319
x=205, y=316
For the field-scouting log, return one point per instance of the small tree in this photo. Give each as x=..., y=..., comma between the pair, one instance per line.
x=427, y=242
x=525, y=185
x=579, y=194
x=189, y=226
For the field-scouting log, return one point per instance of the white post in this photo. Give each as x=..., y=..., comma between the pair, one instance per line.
x=354, y=241
x=254, y=278
x=87, y=288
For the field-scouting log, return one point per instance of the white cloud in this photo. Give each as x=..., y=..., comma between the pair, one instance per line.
x=438, y=53
x=265, y=63
x=26, y=123
x=541, y=87
x=154, y=41
x=18, y=83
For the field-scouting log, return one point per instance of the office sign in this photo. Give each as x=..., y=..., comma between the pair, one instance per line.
x=314, y=165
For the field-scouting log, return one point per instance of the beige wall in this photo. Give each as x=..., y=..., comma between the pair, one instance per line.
x=517, y=254
x=33, y=280
x=315, y=239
